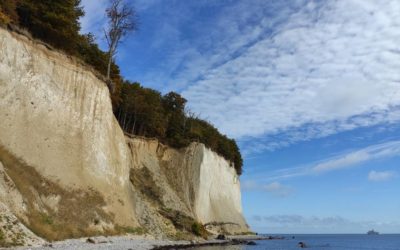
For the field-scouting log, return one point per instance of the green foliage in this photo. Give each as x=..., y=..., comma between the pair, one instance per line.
x=184, y=223
x=90, y=53
x=54, y=21
x=146, y=112
x=142, y=180
x=2, y=237
x=197, y=228
x=202, y=131
x=8, y=11
x=140, y=111
x=46, y=219
x=3, y=240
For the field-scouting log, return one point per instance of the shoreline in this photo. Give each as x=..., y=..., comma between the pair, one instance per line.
x=230, y=240
x=134, y=242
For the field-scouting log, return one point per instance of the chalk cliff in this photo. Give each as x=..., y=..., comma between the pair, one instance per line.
x=194, y=181
x=69, y=169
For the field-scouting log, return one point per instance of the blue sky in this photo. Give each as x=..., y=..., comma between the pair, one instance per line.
x=309, y=89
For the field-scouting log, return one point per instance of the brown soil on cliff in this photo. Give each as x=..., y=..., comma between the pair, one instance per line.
x=55, y=213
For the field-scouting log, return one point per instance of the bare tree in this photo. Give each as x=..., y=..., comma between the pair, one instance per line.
x=122, y=19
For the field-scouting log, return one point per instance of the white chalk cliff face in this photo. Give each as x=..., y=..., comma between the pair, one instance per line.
x=56, y=119
x=218, y=196
x=66, y=157
x=194, y=180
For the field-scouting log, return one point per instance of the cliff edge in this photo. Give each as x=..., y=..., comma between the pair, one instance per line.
x=70, y=170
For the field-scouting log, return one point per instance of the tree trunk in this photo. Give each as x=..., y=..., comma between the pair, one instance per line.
x=109, y=66
x=123, y=127
x=134, y=125
x=109, y=82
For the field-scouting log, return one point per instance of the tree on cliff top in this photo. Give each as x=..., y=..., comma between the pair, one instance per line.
x=8, y=11
x=56, y=22
x=141, y=111
x=121, y=21
x=53, y=21
x=147, y=112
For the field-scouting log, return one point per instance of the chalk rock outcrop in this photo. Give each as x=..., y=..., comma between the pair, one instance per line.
x=72, y=169
x=60, y=142
x=194, y=180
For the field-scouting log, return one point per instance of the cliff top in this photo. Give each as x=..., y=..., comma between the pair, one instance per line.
x=139, y=110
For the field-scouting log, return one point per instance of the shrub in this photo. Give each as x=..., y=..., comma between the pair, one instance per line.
x=145, y=112
x=196, y=228
x=184, y=223
x=8, y=11
x=140, y=111
x=47, y=219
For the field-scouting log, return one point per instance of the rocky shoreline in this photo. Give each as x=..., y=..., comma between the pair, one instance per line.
x=141, y=243
x=226, y=242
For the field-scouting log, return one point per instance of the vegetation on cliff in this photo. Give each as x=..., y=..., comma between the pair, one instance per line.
x=147, y=112
x=139, y=110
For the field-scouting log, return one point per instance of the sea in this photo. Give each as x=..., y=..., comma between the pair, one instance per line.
x=322, y=242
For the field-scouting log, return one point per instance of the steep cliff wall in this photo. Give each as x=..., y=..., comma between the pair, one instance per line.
x=72, y=171
x=193, y=180
x=58, y=137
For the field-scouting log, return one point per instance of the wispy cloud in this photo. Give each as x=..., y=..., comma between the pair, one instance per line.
x=352, y=159
x=342, y=161
x=94, y=19
x=286, y=71
x=348, y=160
x=381, y=176
x=327, y=67
x=273, y=188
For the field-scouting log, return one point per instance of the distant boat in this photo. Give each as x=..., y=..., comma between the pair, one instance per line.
x=372, y=232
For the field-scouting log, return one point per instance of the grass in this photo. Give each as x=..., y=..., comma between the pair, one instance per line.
x=184, y=223
x=2, y=239
x=142, y=180
x=47, y=219
x=197, y=228
x=77, y=210
x=16, y=240
x=246, y=233
x=4, y=19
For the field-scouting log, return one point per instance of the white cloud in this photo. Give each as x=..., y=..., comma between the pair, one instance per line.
x=384, y=150
x=381, y=176
x=286, y=71
x=94, y=19
x=294, y=220
x=345, y=161
x=329, y=67
x=341, y=161
x=274, y=188
x=277, y=189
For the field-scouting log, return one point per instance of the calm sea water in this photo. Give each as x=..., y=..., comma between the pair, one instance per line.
x=323, y=242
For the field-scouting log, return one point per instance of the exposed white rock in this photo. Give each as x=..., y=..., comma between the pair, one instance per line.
x=56, y=116
x=193, y=180
x=56, y=121
x=218, y=197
